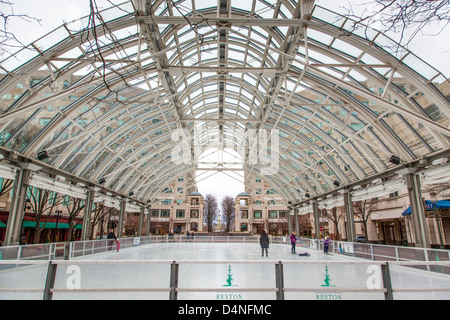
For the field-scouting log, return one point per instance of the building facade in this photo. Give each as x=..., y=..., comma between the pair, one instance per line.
x=386, y=220
x=260, y=208
x=178, y=209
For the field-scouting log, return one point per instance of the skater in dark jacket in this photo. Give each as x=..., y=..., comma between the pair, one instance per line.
x=264, y=242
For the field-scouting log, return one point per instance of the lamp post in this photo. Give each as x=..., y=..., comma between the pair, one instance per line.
x=58, y=214
x=102, y=219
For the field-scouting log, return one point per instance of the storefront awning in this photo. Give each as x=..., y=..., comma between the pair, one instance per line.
x=441, y=204
x=48, y=225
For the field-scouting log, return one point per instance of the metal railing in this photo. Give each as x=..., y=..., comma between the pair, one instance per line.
x=377, y=252
x=368, y=251
x=68, y=250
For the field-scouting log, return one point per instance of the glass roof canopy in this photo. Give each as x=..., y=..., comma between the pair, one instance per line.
x=107, y=96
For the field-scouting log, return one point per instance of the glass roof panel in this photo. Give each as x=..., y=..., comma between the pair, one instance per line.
x=337, y=119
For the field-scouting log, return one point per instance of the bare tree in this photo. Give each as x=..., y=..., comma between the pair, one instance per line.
x=335, y=216
x=228, y=207
x=363, y=210
x=74, y=207
x=210, y=210
x=404, y=17
x=99, y=216
x=42, y=203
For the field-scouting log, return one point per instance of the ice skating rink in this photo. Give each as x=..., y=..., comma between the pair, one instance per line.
x=222, y=271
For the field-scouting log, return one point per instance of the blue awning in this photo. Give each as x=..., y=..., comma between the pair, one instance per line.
x=441, y=204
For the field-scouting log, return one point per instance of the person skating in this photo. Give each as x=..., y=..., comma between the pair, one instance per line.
x=293, y=241
x=118, y=245
x=264, y=242
x=326, y=245
x=110, y=239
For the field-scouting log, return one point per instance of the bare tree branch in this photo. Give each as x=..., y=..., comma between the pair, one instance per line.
x=8, y=39
x=407, y=18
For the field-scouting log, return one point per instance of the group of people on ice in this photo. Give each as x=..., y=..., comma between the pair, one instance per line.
x=264, y=242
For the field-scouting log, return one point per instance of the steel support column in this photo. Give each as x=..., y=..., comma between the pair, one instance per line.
x=86, y=227
x=316, y=219
x=141, y=221
x=123, y=204
x=350, y=227
x=290, y=221
x=17, y=211
x=417, y=211
x=147, y=226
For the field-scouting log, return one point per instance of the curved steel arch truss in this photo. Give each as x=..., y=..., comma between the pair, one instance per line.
x=111, y=101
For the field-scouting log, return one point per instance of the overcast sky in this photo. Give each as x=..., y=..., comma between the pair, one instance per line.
x=433, y=49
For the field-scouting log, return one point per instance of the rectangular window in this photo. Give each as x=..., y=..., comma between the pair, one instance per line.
x=180, y=214
x=393, y=194
x=194, y=214
x=66, y=201
x=165, y=213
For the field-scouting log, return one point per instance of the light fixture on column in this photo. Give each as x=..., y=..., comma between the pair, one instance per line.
x=336, y=183
x=307, y=195
x=101, y=181
x=395, y=160
x=42, y=155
